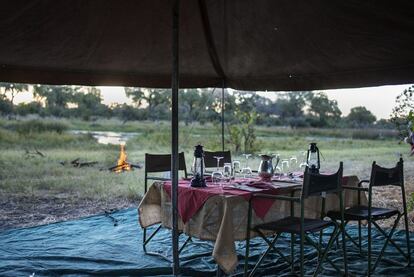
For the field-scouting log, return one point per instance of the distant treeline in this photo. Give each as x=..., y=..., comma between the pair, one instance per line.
x=295, y=109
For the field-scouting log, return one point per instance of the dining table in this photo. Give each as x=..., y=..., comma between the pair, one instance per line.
x=219, y=212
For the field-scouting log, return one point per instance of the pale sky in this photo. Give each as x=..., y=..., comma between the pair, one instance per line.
x=379, y=100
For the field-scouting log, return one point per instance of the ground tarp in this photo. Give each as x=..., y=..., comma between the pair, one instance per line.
x=94, y=246
x=251, y=45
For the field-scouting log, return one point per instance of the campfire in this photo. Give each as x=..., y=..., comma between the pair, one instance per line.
x=122, y=164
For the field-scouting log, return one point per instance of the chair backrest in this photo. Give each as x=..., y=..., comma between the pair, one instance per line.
x=210, y=161
x=319, y=184
x=381, y=176
x=162, y=163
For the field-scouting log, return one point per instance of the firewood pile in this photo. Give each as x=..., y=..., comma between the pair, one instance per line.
x=121, y=165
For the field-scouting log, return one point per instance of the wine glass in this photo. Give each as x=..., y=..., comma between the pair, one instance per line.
x=285, y=166
x=246, y=170
x=227, y=171
x=217, y=174
x=236, y=167
x=304, y=162
x=293, y=163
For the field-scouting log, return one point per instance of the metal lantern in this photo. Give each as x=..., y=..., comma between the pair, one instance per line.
x=313, y=158
x=198, y=168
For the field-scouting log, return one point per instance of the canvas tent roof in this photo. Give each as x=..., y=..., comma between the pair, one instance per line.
x=253, y=45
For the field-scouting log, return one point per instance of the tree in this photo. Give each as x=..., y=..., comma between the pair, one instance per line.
x=403, y=113
x=150, y=99
x=5, y=105
x=323, y=112
x=56, y=98
x=29, y=108
x=191, y=102
x=89, y=103
x=246, y=116
x=10, y=90
x=290, y=107
x=360, y=117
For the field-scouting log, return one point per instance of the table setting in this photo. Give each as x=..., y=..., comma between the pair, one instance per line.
x=213, y=206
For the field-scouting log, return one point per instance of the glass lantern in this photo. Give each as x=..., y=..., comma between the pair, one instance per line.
x=198, y=168
x=313, y=158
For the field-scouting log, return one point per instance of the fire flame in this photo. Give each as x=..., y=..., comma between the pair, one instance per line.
x=122, y=164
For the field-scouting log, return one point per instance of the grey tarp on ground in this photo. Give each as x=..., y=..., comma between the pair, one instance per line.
x=254, y=45
x=94, y=246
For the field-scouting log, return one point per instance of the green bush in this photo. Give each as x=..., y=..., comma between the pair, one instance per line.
x=374, y=134
x=36, y=126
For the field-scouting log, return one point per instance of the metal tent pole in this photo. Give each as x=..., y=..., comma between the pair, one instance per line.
x=222, y=116
x=174, y=134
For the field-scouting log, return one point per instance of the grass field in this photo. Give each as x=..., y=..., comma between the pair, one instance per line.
x=35, y=176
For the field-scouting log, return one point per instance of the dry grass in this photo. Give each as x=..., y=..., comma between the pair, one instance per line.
x=38, y=190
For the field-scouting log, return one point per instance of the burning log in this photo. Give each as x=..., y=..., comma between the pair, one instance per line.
x=122, y=164
x=116, y=167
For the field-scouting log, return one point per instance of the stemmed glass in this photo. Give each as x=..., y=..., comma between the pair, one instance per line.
x=246, y=170
x=304, y=162
x=217, y=174
x=236, y=168
x=277, y=168
x=293, y=163
x=227, y=171
x=285, y=166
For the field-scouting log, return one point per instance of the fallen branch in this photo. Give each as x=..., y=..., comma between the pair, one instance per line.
x=85, y=164
x=136, y=165
x=77, y=163
x=31, y=154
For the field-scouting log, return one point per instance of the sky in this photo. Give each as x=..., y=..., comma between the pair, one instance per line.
x=379, y=100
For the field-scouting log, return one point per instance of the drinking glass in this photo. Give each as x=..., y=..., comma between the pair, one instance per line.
x=246, y=170
x=227, y=171
x=293, y=164
x=217, y=174
x=285, y=166
x=304, y=162
x=236, y=168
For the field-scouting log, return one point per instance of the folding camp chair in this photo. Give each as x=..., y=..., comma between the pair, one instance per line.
x=157, y=163
x=211, y=162
x=380, y=176
x=313, y=185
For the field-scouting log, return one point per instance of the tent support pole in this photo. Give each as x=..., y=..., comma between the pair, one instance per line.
x=222, y=116
x=174, y=134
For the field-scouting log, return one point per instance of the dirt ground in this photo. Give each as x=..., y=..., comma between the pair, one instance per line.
x=24, y=211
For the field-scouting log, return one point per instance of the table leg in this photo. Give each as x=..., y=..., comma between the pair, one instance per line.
x=220, y=272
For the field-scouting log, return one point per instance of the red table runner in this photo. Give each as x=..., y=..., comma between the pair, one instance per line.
x=190, y=199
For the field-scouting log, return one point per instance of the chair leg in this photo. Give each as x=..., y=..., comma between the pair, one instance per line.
x=144, y=239
x=359, y=237
x=325, y=252
x=302, y=253
x=369, y=248
x=320, y=242
x=184, y=244
x=407, y=237
x=246, y=256
x=332, y=238
x=342, y=230
x=292, y=251
x=387, y=240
